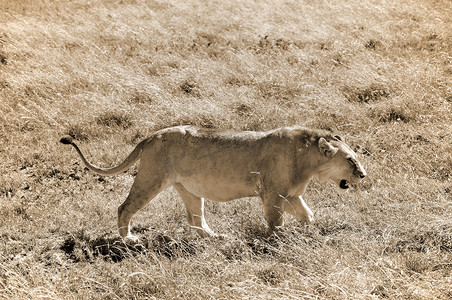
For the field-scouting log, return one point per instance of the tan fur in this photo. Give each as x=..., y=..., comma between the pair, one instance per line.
x=221, y=166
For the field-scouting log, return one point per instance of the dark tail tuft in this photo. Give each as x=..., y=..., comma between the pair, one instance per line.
x=67, y=140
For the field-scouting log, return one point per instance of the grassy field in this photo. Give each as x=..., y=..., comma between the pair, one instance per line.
x=110, y=72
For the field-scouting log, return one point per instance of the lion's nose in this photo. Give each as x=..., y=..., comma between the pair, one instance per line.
x=360, y=173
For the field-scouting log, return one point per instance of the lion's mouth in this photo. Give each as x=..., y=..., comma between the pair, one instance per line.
x=344, y=184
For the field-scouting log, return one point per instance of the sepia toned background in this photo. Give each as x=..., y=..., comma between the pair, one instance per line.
x=109, y=73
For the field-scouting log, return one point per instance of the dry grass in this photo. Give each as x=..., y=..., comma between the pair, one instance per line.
x=110, y=72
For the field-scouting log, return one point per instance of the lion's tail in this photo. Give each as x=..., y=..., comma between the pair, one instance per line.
x=129, y=161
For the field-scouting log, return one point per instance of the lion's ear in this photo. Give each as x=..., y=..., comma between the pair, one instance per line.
x=339, y=138
x=326, y=148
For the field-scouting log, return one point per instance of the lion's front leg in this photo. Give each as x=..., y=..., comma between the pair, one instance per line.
x=273, y=211
x=299, y=209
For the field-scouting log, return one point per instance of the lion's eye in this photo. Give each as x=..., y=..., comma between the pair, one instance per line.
x=350, y=161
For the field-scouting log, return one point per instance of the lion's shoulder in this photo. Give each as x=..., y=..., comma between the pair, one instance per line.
x=301, y=134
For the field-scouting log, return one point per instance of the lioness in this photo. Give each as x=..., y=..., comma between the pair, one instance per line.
x=275, y=165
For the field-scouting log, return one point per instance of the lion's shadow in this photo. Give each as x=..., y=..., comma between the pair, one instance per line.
x=254, y=243
x=80, y=247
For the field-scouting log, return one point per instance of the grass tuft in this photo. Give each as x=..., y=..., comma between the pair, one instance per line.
x=197, y=120
x=393, y=114
x=370, y=94
x=242, y=110
x=373, y=44
x=189, y=87
x=114, y=119
x=3, y=59
x=77, y=132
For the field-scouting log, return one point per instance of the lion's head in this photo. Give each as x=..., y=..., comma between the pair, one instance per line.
x=342, y=166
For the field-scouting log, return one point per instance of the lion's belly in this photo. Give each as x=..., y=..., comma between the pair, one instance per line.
x=219, y=189
x=219, y=170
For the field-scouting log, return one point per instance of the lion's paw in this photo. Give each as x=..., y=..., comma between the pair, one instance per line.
x=131, y=239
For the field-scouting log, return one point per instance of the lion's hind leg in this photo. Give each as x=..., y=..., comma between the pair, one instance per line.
x=194, y=207
x=143, y=190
